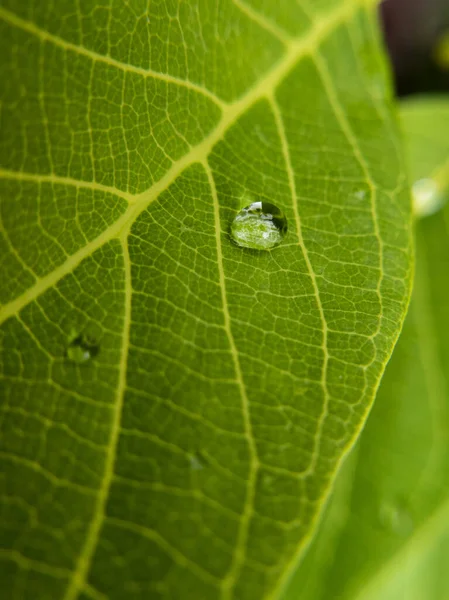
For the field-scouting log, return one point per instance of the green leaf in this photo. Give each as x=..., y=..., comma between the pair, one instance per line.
x=386, y=530
x=174, y=407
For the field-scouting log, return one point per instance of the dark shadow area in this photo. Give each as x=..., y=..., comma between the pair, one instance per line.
x=415, y=31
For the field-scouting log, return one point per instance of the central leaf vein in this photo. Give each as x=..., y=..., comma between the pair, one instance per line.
x=240, y=548
x=140, y=202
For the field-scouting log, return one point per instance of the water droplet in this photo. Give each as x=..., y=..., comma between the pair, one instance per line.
x=82, y=348
x=260, y=226
x=426, y=197
x=396, y=517
x=197, y=461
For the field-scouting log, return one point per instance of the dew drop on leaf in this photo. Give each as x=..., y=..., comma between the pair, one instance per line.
x=81, y=349
x=360, y=195
x=260, y=226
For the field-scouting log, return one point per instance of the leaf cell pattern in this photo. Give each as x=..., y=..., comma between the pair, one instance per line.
x=191, y=456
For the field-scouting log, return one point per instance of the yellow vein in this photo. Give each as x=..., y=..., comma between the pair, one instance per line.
x=297, y=49
x=42, y=107
x=91, y=592
x=80, y=574
x=68, y=181
x=352, y=140
x=13, y=250
x=30, y=564
x=324, y=498
x=263, y=22
x=380, y=109
x=36, y=340
x=168, y=548
x=347, y=130
x=33, y=465
x=307, y=10
x=43, y=284
x=379, y=105
x=95, y=56
x=49, y=423
x=242, y=538
x=89, y=118
x=373, y=93
x=335, y=509
x=292, y=184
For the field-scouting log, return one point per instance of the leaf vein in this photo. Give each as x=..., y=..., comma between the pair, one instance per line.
x=239, y=554
x=68, y=181
x=80, y=575
x=291, y=179
x=298, y=48
x=43, y=35
x=262, y=21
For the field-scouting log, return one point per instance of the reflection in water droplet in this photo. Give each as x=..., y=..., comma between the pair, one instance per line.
x=396, y=517
x=260, y=226
x=426, y=197
x=82, y=348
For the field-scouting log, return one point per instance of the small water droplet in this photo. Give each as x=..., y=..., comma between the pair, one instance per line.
x=260, y=226
x=396, y=517
x=197, y=461
x=360, y=194
x=426, y=197
x=82, y=348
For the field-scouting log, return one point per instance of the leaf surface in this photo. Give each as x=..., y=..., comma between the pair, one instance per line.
x=174, y=407
x=386, y=530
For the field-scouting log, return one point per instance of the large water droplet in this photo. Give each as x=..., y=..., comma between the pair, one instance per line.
x=260, y=226
x=426, y=197
x=82, y=348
